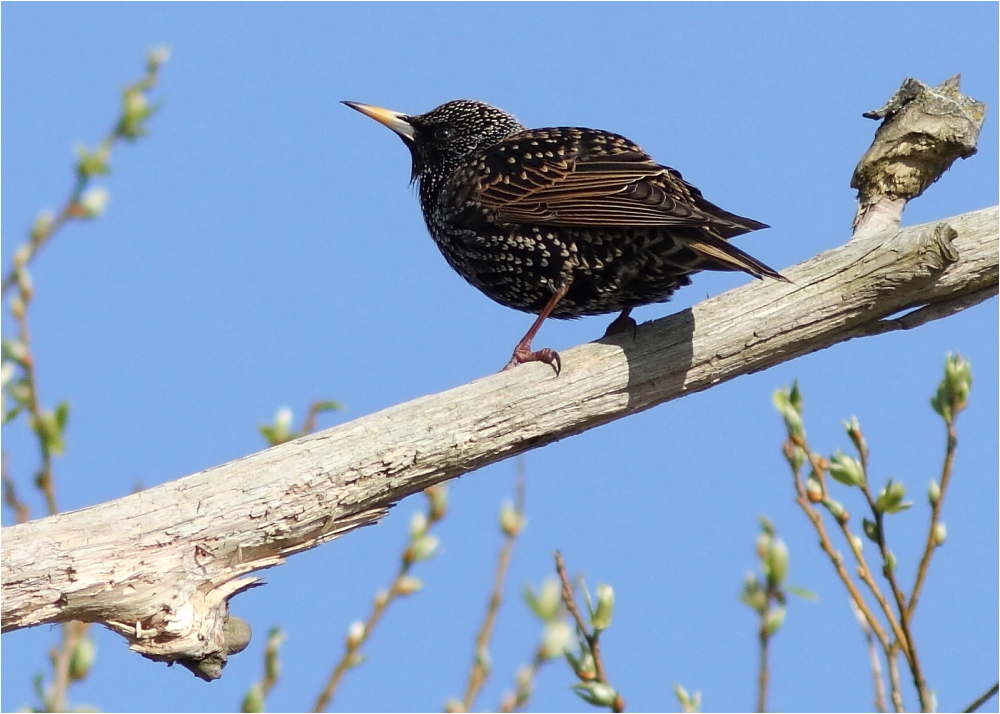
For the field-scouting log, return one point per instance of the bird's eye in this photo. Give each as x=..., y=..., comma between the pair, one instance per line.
x=444, y=133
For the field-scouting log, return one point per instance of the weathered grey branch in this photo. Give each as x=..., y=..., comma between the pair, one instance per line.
x=160, y=566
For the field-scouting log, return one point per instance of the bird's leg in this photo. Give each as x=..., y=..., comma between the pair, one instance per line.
x=523, y=353
x=622, y=323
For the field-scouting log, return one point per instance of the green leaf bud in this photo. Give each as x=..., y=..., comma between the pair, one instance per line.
x=958, y=374
x=483, y=659
x=583, y=663
x=280, y=431
x=846, y=469
x=47, y=429
x=688, y=702
x=355, y=634
x=795, y=455
x=776, y=563
x=62, y=415
x=156, y=58
x=17, y=307
x=871, y=529
x=93, y=203
x=408, y=584
x=272, y=662
x=254, y=700
x=933, y=493
x=890, y=563
x=92, y=163
x=773, y=620
x=765, y=525
x=135, y=111
x=753, y=594
x=940, y=534
x=763, y=544
x=283, y=420
x=601, y=619
x=422, y=548
x=786, y=406
x=953, y=391
x=853, y=429
x=890, y=499
x=511, y=521
x=418, y=525
x=438, y=496
x=14, y=350
x=682, y=693
x=546, y=604
x=82, y=658
x=40, y=230
x=598, y=694
x=837, y=510
x=557, y=636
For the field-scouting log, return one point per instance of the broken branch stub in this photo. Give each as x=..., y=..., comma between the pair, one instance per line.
x=924, y=129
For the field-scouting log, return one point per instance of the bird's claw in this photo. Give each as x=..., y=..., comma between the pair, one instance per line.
x=547, y=355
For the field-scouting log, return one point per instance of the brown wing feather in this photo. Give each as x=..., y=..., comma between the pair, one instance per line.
x=595, y=179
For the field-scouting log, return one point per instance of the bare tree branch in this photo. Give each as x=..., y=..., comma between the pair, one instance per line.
x=159, y=566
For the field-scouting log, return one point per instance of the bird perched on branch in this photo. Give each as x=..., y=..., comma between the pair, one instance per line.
x=560, y=222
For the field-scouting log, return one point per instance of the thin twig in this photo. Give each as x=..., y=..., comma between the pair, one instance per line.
x=39, y=238
x=876, y=664
x=43, y=480
x=864, y=572
x=351, y=657
x=593, y=641
x=10, y=498
x=983, y=699
x=72, y=208
x=271, y=670
x=480, y=664
x=836, y=558
x=763, y=677
x=309, y=425
x=909, y=648
x=931, y=546
x=895, y=689
x=517, y=700
x=592, y=638
x=383, y=600
x=62, y=657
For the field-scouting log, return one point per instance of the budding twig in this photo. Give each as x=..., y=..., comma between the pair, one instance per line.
x=421, y=546
x=512, y=523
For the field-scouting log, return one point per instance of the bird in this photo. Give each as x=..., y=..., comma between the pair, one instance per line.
x=560, y=222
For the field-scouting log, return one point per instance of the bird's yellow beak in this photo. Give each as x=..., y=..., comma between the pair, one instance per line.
x=394, y=120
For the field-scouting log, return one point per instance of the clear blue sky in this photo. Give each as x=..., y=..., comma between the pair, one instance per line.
x=262, y=248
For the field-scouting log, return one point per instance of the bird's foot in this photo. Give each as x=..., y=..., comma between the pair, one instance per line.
x=523, y=353
x=622, y=323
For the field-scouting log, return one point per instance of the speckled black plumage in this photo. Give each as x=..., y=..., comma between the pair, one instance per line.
x=561, y=221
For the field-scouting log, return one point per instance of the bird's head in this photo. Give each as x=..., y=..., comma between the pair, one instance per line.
x=443, y=137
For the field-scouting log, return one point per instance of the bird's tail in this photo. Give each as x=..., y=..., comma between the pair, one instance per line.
x=720, y=254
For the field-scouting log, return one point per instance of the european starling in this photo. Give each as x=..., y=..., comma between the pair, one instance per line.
x=560, y=222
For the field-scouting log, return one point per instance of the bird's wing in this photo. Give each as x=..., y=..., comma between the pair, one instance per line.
x=581, y=177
